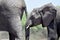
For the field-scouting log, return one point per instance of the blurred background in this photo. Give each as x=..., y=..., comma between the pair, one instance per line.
x=37, y=32
x=38, y=3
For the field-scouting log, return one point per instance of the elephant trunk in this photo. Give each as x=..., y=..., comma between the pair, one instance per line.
x=27, y=28
x=27, y=32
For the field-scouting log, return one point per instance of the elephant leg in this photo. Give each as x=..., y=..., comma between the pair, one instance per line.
x=11, y=36
x=58, y=38
x=58, y=29
x=52, y=34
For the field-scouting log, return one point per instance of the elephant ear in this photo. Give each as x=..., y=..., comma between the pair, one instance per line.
x=48, y=17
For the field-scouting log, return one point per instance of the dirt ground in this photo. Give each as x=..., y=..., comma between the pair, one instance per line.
x=40, y=35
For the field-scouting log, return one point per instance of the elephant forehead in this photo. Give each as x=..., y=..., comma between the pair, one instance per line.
x=36, y=15
x=15, y=3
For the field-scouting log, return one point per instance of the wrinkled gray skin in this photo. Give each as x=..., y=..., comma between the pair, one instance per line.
x=10, y=17
x=19, y=4
x=48, y=16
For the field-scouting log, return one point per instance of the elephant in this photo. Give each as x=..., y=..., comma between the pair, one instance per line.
x=10, y=17
x=47, y=15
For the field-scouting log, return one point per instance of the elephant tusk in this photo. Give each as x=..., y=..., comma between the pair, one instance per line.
x=27, y=27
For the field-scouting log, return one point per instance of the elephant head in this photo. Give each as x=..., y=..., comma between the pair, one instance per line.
x=19, y=4
x=43, y=15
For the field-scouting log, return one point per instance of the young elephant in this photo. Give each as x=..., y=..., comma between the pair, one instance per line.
x=45, y=15
x=10, y=17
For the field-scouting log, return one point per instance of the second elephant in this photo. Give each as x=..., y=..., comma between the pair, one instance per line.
x=47, y=15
